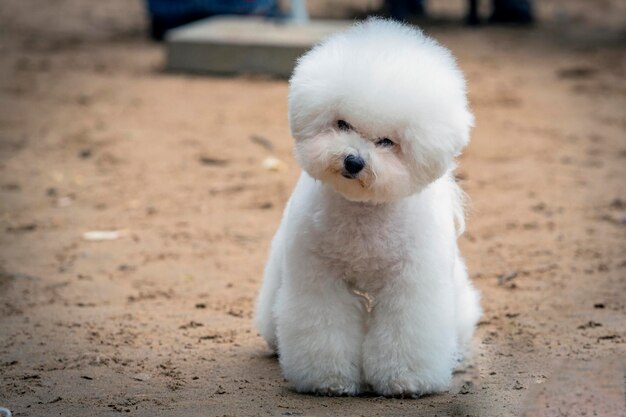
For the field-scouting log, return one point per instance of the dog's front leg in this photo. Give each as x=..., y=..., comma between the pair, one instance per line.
x=410, y=346
x=320, y=332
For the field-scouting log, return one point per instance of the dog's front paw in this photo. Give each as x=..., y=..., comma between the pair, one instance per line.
x=405, y=384
x=331, y=385
x=337, y=389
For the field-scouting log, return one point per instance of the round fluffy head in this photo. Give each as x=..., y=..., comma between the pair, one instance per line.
x=386, y=96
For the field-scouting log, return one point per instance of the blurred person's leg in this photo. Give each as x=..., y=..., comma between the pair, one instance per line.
x=472, y=13
x=512, y=11
x=168, y=14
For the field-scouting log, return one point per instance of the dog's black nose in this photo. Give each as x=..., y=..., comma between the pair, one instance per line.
x=353, y=164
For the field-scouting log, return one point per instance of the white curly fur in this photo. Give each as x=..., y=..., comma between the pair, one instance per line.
x=390, y=231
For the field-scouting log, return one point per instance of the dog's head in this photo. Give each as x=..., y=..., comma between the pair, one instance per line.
x=378, y=112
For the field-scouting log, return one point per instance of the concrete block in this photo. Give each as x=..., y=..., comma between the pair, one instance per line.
x=244, y=45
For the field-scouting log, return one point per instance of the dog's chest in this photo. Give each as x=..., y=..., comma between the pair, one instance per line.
x=364, y=245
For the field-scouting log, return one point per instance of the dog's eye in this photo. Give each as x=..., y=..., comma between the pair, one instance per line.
x=385, y=142
x=343, y=125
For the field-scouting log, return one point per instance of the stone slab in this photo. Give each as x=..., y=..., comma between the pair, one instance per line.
x=244, y=45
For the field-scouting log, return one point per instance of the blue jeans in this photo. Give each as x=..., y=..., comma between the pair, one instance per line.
x=168, y=14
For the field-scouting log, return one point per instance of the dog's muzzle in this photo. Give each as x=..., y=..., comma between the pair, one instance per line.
x=352, y=165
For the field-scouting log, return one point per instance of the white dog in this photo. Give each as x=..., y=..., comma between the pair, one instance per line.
x=379, y=113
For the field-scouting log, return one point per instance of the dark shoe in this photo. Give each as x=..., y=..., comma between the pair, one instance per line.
x=512, y=11
x=403, y=10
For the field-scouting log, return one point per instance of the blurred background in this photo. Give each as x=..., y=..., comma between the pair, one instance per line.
x=137, y=205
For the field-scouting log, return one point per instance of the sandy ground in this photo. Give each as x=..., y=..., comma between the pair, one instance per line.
x=95, y=135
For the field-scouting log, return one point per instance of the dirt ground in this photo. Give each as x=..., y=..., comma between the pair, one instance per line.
x=95, y=135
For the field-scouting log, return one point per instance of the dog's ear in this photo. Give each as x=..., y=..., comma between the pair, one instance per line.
x=463, y=126
x=307, y=116
x=433, y=146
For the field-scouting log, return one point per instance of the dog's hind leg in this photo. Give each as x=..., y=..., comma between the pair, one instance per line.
x=265, y=316
x=468, y=309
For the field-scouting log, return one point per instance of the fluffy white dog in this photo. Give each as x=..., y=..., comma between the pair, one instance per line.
x=379, y=113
